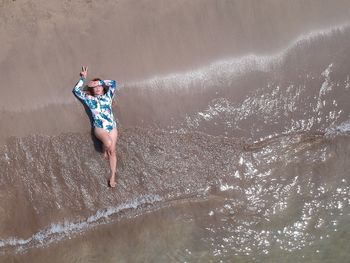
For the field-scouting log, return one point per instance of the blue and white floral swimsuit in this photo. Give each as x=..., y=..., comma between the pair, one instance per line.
x=100, y=106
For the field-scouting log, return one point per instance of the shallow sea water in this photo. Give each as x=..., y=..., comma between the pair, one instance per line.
x=288, y=202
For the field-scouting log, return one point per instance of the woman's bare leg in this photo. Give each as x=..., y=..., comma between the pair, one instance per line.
x=109, y=141
x=104, y=150
x=112, y=154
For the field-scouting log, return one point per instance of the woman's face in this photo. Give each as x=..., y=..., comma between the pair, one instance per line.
x=95, y=88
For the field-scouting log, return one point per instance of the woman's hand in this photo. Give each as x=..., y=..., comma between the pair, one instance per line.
x=95, y=83
x=84, y=71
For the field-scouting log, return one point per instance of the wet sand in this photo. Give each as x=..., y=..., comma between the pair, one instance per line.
x=271, y=213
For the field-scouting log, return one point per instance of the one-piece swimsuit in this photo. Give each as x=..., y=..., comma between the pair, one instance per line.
x=100, y=106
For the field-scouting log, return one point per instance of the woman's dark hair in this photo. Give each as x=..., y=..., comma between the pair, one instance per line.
x=105, y=89
x=89, y=91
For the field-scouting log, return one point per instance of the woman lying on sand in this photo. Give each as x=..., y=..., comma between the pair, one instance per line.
x=100, y=104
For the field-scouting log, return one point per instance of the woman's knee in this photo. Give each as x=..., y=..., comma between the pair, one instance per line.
x=108, y=144
x=113, y=148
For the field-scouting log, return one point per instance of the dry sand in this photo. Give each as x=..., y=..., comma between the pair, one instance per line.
x=44, y=44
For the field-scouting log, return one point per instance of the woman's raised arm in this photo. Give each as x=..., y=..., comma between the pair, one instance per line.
x=112, y=86
x=77, y=89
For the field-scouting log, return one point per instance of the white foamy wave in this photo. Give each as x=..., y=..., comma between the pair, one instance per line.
x=58, y=231
x=227, y=68
x=343, y=128
x=327, y=85
x=211, y=74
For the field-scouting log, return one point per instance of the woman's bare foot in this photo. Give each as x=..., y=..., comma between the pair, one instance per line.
x=112, y=183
